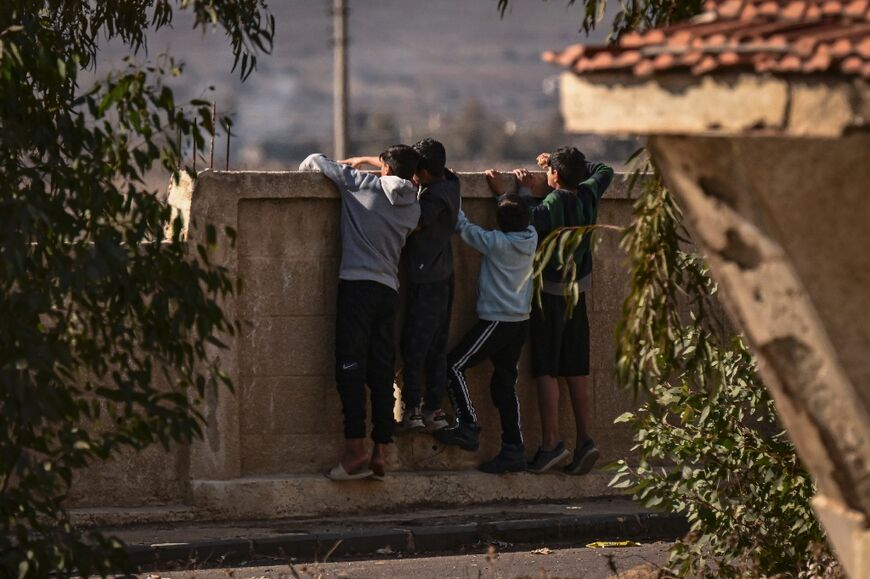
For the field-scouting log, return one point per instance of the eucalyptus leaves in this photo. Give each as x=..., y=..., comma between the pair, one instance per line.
x=105, y=316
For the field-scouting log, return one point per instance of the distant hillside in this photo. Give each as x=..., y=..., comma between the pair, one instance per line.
x=418, y=68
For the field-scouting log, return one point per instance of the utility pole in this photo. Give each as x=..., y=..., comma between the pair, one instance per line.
x=339, y=82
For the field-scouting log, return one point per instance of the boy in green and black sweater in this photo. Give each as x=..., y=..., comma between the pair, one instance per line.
x=560, y=345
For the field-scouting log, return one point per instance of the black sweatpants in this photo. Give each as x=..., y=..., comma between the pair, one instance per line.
x=424, y=344
x=502, y=343
x=364, y=354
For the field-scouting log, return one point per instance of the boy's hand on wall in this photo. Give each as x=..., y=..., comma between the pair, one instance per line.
x=524, y=178
x=543, y=160
x=535, y=182
x=495, y=182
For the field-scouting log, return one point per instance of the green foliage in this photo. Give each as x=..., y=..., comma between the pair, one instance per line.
x=108, y=322
x=707, y=438
x=561, y=244
x=707, y=435
x=708, y=441
x=630, y=16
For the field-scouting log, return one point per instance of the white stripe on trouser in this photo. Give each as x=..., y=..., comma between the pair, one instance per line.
x=519, y=418
x=457, y=373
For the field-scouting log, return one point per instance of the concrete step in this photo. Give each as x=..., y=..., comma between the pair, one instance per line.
x=314, y=494
x=117, y=516
x=423, y=531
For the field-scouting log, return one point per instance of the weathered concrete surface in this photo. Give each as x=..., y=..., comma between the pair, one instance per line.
x=772, y=172
x=640, y=562
x=287, y=256
x=783, y=220
x=514, y=527
x=313, y=494
x=716, y=104
x=784, y=250
x=266, y=443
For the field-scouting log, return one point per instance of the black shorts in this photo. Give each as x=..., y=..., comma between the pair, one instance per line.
x=560, y=346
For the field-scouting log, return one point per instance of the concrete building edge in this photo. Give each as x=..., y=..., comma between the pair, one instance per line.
x=315, y=495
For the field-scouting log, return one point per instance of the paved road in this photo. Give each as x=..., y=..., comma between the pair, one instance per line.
x=562, y=563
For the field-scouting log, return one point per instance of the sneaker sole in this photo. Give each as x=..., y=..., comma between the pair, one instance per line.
x=553, y=462
x=409, y=429
x=585, y=465
x=468, y=447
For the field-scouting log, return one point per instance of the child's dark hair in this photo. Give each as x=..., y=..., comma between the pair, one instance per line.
x=512, y=213
x=571, y=165
x=433, y=157
x=402, y=160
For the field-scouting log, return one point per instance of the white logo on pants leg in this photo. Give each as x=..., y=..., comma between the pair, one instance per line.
x=348, y=365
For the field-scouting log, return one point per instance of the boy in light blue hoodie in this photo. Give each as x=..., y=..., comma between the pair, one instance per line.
x=503, y=304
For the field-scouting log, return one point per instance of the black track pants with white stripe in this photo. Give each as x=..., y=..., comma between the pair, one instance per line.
x=502, y=343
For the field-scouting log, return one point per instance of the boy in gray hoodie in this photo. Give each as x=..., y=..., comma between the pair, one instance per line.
x=377, y=215
x=503, y=306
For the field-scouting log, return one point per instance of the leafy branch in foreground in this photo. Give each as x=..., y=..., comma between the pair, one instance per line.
x=707, y=438
x=562, y=243
x=108, y=324
x=708, y=442
x=629, y=16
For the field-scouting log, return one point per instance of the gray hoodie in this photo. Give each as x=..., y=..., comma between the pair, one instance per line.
x=504, y=290
x=377, y=215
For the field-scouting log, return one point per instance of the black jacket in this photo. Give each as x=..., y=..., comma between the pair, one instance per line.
x=430, y=257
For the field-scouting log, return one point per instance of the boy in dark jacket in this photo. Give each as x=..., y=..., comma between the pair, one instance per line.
x=430, y=291
x=560, y=345
x=377, y=215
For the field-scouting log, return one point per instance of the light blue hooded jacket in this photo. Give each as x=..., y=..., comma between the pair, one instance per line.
x=504, y=291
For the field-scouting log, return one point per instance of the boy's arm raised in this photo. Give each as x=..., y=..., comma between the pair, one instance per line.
x=344, y=176
x=357, y=162
x=600, y=176
x=474, y=235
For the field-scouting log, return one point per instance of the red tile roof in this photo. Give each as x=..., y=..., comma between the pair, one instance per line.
x=780, y=36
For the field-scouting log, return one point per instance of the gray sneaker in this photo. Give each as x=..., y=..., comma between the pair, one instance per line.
x=410, y=423
x=546, y=459
x=435, y=420
x=584, y=458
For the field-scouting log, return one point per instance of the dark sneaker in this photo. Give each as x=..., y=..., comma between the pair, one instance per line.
x=584, y=458
x=410, y=422
x=464, y=435
x=510, y=459
x=546, y=459
x=435, y=420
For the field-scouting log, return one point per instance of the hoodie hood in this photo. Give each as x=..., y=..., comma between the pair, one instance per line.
x=398, y=191
x=525, y=241
x=377, y=215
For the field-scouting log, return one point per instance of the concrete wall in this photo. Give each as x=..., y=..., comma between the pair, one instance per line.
x=289, y=410
x=284, y=419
